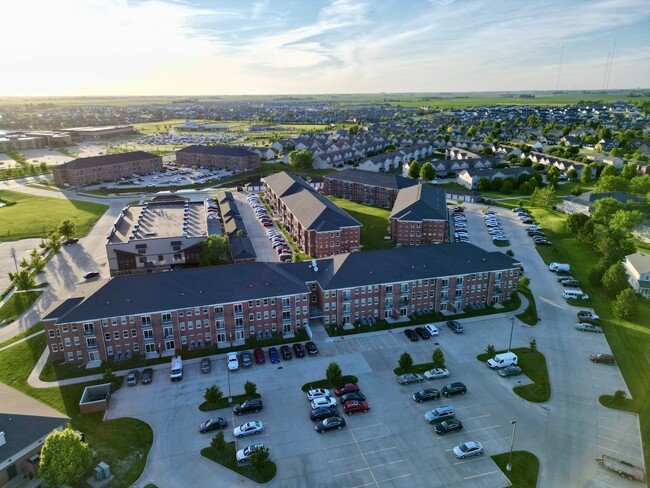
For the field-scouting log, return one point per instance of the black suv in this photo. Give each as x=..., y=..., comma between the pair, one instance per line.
x=311, y=348
x=298, y=350
x=449, y=425
x=250, y=405
x=457, y=388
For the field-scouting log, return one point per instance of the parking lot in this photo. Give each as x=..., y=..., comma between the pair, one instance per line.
x=255, y=230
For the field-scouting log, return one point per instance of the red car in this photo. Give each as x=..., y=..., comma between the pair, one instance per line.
x=259, y=356
x=355, y=406
x=347, y=388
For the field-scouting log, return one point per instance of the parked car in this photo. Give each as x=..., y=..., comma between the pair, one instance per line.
x=457, y=327
x=70, y=241
x=602, y=357
x=246, y=359
x=274, y=356
x=426, y=395
x=205, y=365
x=259, y=356
x=312, y=350
x=412, y=336
x=330, y=424
x=436, y=373
x=354, y=406
x=468, y=449
x=439, y=414
x=213, y=424
x=432, y=329
x=456, y=388
x=449, y=425
x=585, y=316
x=90, y=274
x=243, y=455
x=132, y=377
x=147, y=376
x=589, y=328
x=298, y=350
x=286, y=352
x=249, y=428
x=352, y=396
x=250, y=405
x=408, y=378
x=317, y=393
x=323, y=402
x=347, y=388
x=322, y=413
x=233, y=361
x=509, y=371
x=423, y=333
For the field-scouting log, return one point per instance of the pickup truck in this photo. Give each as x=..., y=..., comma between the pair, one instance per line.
x=585, y=316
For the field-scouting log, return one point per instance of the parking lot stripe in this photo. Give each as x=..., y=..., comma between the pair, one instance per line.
x=479, y=417
x=394, y=478
x=474, y=458
x=367, y=427
x=387, y=464
x=482, y=474
x=482, y=428
x=608, y=438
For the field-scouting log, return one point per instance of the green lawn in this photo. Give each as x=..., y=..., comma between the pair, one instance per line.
x=17, y=304
x=628, y=340
x=529, y=316
x=224, y=403
x=416, y=368
x=374, y=220
x=525, y=468
x=31, y=216
x=227, y=459
x=123, y=443
x=32, y=330
x=325, y=383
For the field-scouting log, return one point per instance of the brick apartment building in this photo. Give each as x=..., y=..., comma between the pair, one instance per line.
x=318, y=226
x=156, y=313
x=111, y=167
x=224, y=157
x=419, y=216
x=367, y=187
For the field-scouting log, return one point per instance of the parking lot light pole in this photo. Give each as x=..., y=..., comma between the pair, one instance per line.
x=512, y=443
x=229, y=393
x=512, y=328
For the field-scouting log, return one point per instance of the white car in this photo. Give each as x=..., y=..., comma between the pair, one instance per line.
x=432, y=329
x=323, y=402
x=532, y=227
x=317, y=393
x=436, y=373
x=248, y=428
x=468, y=449
x=245, y=454
x=233, y=361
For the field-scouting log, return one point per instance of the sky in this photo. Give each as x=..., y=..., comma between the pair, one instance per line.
x=237, y=47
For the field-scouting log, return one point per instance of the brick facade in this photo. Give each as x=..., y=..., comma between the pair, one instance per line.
x=222, y=157
x=109, y=168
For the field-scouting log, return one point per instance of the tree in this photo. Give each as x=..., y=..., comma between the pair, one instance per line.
x=625, y=220
x=640, y=184
x=507, y=187
x=575, y=222
x=438, y=358
x=259, y=458
x=611, y=183
x=67, y=228
x=334, y=374
x=250, y=388
x=619, y=396
x=109, y=377
x=54, y=241
x=23, y=280
x=572, y=174
x=543, y=197
x=629, y=171
x=608, y=171
x=213, y=394
x=405, y=361
x=604, y=210
x=215, y=250
x=64, y=458
x=490, y=350
x=496, y=183
x=625, y=306
x=301, y=159
x=553, y=175
x=614, y=280
x=218, y=443
x=428, y=172
x=524, y=283
x=414, y=170
x=533, y=345
x=585, y=177
x=484, y=184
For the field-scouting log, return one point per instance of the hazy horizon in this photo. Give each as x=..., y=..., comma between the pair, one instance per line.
x=170, y=48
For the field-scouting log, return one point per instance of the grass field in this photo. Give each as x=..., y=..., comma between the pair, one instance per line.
x=32, y=330
x=374, y=220
x=17, y=304
x=628, y=340
x=123, y=443
x=32, y=216
x=525, y=468
x=228, y=459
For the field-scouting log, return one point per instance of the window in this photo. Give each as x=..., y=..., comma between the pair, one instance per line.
x=134, y=333
x=104, y=322
x=80, y=355
x=142, y=259
x=131, y=319
x=123, y=320
x=67, y=341
x=181, y=313
x=51, y=333
x=251, y=330
x=64, y=328
x=188, y=312
x=161, y=258
x=266, y=302
x=76, y=340
x=258, y=303
x=190, y=325
x=273, y=314
x=206, y=323
x=274, y=327
x=177, y=256
x=205, y=310
x=107, y=336
x=266, y=314
x=197, y=311
x=184, y=340
x=70, y=356
x=327, y=306
x=250, y=303
x=136, y=346
x=74, y=328
x=218, y=310
x=109, y=350
x=146, y=320
x=182, y=326
x=251, y=317
x=258, y=315
x=116, y=336
x=114, y=321
x=220, y=324
x=125, y=334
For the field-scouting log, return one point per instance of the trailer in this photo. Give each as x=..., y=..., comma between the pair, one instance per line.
x=624, y=469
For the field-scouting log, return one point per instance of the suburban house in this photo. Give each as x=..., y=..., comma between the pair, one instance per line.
x=367, y=187
x=469, y=178
x=234, y=158
x=318, y=226
x=637, y=266
x=585, y=203
x=161, y=313
x=107, y=168
x=419, y=216
x=25, y=423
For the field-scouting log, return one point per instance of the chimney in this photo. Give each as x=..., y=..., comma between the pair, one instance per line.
x=3, y=441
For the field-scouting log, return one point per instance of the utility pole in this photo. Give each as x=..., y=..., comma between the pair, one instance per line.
x=13, y=253
x=512, y=443
x=512, y=328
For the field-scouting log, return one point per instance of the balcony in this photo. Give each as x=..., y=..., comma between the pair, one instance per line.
x=286, y=320
x=168, y=334
x=148, y=339
x=219, y=315
x=316, y=313
x=403, y=301
x=238, y=313
x=145, y=325
x=286, y=306
x=167, y=322
x=347, y=297
x=389, y=293
x=89, y=332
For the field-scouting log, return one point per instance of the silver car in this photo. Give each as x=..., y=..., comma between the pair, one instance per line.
x=249, y=428
x=408, y=378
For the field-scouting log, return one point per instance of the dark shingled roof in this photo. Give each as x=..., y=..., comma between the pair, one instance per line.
x=313, y=210
x=63, y=308
x=220, y=150
x=95, y=161
x=383, y=180
x=187, y=288
x=421, y=202
x=242, y=248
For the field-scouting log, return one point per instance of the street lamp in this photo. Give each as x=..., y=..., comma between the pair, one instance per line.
x=512, y=328
x=228, y=370
x=512, y=443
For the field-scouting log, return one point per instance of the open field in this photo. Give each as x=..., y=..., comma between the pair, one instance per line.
x=374, y=220
x=525, y=467
x=28, y=218
x=17, y=304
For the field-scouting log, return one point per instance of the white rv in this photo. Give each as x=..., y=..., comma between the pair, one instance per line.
x=176, y=373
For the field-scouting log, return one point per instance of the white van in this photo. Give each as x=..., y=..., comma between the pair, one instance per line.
x=555, y=267
x=574, y=294
x=502, y=360
x=176, y=373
